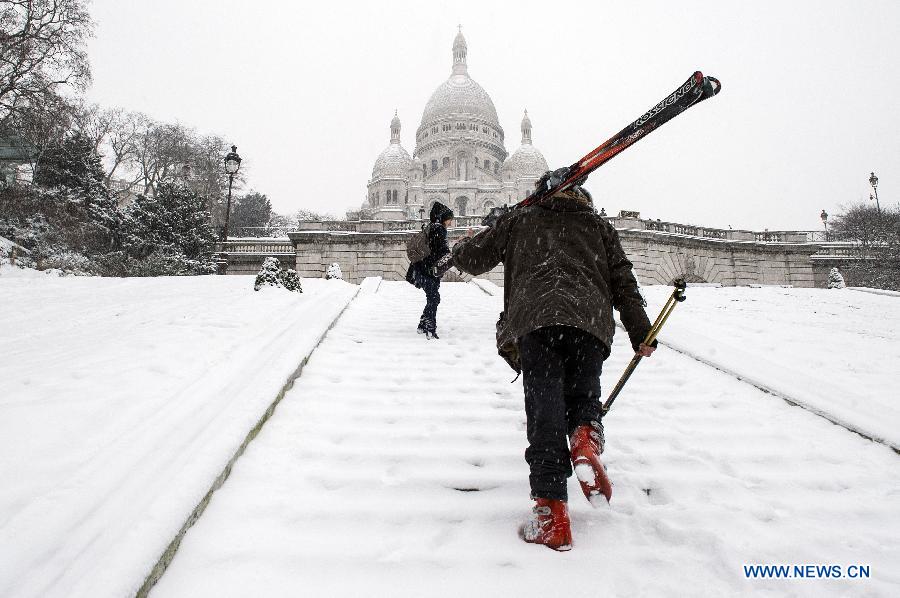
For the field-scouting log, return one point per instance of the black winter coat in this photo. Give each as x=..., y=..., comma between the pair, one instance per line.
x=564, y=265
x=437, y=243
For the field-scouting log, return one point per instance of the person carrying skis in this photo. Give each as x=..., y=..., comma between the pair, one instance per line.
x=564, y=272
x=426, y=274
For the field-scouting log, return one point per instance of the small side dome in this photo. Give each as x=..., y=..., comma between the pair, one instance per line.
x=527, y=160
x=394, y=161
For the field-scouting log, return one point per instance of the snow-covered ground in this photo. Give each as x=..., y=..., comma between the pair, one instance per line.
x=394, y=466
x=402, y=475
x=835, y=350
x=120, y=401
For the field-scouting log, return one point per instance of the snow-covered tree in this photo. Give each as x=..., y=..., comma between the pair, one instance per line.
x=252, y=210
x=173, y=223
x=835, y=280
x=290, y=280
x=334, y=271
x=272, y=275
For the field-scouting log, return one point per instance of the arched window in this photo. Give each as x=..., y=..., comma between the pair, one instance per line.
x=424, y=170
x=496, y=168
x=487, y=164
x=395, y=196
x=446, y=162
x=433, y=165
x=377, y=197
x=488, y=205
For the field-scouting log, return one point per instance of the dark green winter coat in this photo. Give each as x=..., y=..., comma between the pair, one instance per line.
x=563, y=264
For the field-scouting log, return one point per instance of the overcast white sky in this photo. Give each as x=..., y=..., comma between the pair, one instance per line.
x=809, y=104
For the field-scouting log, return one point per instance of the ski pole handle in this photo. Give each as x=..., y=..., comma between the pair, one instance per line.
x=674, y=299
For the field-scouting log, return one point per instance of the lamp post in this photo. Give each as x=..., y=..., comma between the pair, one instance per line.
x=824, y=217
x=232, y=165
x=422, y=213
x=873, y=180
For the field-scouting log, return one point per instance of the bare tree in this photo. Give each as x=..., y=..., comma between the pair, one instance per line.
x=208, y=173
x=866, y=225
x=122, y=143
x=41, y=51
x=876, y=236
x=36, y=130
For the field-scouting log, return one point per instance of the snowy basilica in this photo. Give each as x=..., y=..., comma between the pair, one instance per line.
x=460, y=158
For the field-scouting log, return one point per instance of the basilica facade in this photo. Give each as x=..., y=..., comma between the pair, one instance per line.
x=460, y=157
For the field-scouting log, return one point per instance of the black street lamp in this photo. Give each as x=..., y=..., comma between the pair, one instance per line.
x=422, y=213
x=824, y=217
x=873, y=180
x=232, y=165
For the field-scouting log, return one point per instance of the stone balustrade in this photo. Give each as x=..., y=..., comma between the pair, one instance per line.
x=660, y=251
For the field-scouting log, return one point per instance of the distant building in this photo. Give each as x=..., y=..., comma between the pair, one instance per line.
x=16, y=165
x=123, y=191
x=460, y=158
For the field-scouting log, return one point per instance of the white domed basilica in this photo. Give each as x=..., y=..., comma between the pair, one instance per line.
x=460, y=158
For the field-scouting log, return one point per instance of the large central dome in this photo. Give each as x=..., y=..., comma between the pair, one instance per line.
x=460, y=94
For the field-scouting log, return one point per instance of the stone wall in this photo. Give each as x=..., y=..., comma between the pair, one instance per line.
x=658, y=257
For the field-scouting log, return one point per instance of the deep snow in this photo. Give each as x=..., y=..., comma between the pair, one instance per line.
x=120, y=401
x=394, y=467
x=836, y=350
x=403, y=476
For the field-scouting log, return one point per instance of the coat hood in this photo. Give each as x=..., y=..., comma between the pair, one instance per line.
x=570, y=200
x=440, y=212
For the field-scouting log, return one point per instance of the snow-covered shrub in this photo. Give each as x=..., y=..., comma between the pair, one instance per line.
x=835, y=280
x=272, y=275
x=290, y=280
x=67, y=262
x=268, y=274
x=334, y=271
x=158, y=263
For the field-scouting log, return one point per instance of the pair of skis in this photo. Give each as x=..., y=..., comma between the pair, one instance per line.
x=696, y=89
x=593, y=477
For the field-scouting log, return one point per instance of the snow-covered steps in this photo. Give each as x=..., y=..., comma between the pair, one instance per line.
x=121, y=401
x=394, y=468
x=833, y=351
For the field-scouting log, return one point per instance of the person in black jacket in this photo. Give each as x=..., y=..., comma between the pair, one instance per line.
x=427, y=273
x=564, y=272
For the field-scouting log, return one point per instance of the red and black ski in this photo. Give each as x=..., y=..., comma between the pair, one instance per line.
x=696, y=89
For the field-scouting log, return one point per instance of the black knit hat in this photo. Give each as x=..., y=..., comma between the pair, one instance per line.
x=440, y=212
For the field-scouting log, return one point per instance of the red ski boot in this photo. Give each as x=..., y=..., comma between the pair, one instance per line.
x=549, y=525
x=587, y=444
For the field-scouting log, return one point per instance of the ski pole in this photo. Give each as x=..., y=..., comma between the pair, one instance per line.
x=674, y=299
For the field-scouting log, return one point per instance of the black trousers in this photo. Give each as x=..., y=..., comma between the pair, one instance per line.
x=561, y=368
x=432, y=287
